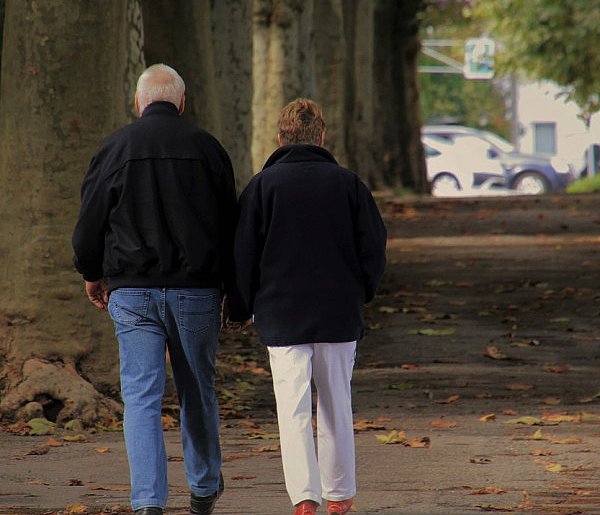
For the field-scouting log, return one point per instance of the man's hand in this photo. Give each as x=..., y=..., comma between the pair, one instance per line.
x=97, y=293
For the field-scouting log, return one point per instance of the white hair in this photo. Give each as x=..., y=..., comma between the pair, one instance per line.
x=159, y=82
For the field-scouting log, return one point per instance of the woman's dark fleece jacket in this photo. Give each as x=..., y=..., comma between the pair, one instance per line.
x=309, y=248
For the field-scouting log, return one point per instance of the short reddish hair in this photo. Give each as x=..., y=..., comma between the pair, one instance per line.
x=301, y=121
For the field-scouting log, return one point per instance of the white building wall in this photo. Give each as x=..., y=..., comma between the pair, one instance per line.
x=541, y=102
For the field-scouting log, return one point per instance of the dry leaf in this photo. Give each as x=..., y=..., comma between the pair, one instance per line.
x=268, y=448
x=102, y=450
x=488, y=490
x=51, y=442
x=367, y=425
x=443, y=424
x=74, y=509
x=558, y=418
x=75, y=482
x=168, y=422
x=554, y=467
x=111, y=488
x=74, y=438
x=529, y=421
x=558, y=369
x=410, y=366
x=541, y=452
x=565, y=440
x=519, y=387
x=480, y=460
x=449, y=400
x=388, y=310
x=553, y=401
x=492, y=352
x=488, y=417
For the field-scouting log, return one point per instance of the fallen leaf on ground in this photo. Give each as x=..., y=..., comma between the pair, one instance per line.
x=74, y=509
x=74, y=438
x=541, y=452
x=41, y=426
x=75, y=482
x=554, y=467
x=558, y=417
x=516, y=387
x=40, y=450
x=487, y=490
x=168, y=422
x=388, y=310
x=102, y=450
x=558, y=369
x=433, y=332
x=589, y=417
x=410, y=366
x=443, y=424
x=51, y=442
x=367, y=425
x=566, y=441
x=481, y=460
x=393, y=437
x=266, y=436
x=488, y=417
x=535, y=436
x=111, y=488
x=530, y=421
x=489, y=507
x=268, y=448
x=552, y=401
x=492, y=352
x=449, y=400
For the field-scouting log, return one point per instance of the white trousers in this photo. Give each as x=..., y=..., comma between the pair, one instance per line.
x=331, y=476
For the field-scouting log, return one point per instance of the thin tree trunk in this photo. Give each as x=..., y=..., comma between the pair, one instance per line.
x=67, y=74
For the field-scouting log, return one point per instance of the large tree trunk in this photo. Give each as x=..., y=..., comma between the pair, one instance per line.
x=282, y=66
x=330, y=55
x=210, y=45
x=397, y=101
x=68, y=72
x=232, y=40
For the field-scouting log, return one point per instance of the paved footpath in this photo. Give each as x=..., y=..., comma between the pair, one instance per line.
x=489, y=312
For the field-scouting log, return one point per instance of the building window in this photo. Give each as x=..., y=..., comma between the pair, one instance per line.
x=544, y=138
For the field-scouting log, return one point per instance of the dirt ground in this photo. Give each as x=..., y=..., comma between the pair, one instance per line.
x=482, y=354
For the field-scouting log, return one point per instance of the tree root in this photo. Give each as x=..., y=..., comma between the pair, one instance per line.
x=57, y=392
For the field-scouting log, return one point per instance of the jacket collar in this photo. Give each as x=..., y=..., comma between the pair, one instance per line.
x=299, y=153
x=160, y=107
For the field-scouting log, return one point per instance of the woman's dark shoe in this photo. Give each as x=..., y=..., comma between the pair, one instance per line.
x=206, y=505
x=149, y=510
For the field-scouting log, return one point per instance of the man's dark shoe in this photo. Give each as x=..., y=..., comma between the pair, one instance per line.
x=149, y=510
x=206, y=505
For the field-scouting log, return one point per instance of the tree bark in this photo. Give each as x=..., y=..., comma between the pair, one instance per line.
x=282, y=66
x=68, y=69
x=397, y=99
x=210, y=45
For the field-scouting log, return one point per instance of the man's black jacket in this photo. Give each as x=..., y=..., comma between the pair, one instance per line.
x=309, y=248
x=158, y=207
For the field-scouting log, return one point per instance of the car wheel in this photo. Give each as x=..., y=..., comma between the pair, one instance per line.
x=444, y=184
x=530, y=183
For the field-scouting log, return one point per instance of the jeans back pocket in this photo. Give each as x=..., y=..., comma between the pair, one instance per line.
x=197, y=312
x=129, y=307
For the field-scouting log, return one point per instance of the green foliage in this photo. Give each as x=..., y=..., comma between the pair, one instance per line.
x=587, y=185
x=551, y=40
x=477, y=103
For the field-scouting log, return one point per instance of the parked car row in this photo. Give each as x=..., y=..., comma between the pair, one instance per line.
x=462, y=160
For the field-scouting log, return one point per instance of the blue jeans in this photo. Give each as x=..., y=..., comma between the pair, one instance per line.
x=186, y=321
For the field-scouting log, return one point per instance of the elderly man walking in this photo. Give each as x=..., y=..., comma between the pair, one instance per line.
x=309, y=252
x=154, y=245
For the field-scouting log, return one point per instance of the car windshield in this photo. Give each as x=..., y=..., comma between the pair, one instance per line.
x=499, y=142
